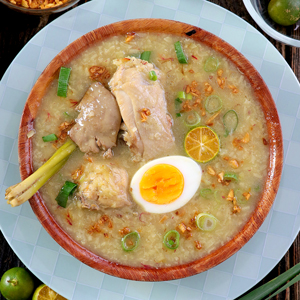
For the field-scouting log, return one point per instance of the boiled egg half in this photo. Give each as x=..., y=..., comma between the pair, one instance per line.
x=166, y=184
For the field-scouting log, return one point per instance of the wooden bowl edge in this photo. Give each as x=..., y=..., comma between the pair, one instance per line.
x=224, y=252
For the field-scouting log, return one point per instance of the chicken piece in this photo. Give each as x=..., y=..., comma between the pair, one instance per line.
x=143, y=108
x=98, y=122
x=103, y=186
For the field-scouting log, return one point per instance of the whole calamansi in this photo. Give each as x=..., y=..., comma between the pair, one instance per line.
x=284, y=12
x=16, y=284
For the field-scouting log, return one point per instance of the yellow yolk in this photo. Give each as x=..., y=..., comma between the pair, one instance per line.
x=161, y=184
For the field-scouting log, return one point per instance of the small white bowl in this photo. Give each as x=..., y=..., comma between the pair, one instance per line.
x=258, y=9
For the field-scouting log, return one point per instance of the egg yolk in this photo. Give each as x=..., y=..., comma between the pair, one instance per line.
x=161, y=184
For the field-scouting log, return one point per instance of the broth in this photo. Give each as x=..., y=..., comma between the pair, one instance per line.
x=244, y=152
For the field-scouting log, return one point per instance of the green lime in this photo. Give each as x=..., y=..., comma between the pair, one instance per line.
x=16, y=284
x=284, y=12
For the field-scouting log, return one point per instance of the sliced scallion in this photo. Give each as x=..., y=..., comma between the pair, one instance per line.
x=180, y=54
x=181, y=95
x=206, y=222
x=192, y=118
x=63, y=81
x=239, y=197
x=136, y=55
x=146, y=56
x=178, y=115
x=230, y=176
x=230, y=121
x=213, y=104
x=171, y=239
x=152, y=75
x=257, y=188
x=217, y=196
x=211, y=64
x=178, y=102
x=206, y=193
x=184, y=95
x=130, y=241
x=50, y=137
x=188, y=96
x=63, y=195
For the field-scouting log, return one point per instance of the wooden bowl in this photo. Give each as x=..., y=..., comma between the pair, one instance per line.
x=275, y=147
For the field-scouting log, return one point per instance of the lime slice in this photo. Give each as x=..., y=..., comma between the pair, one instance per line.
x=43, y=292
x=202, y=144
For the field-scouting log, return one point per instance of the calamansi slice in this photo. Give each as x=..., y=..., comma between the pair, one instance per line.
x=43, y=292
x=202, y=144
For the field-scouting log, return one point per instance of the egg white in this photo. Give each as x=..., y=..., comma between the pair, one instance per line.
x=191, y=172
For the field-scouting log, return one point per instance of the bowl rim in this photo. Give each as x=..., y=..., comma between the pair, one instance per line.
x=275, y=149
x=267, y=28
x=44, y=11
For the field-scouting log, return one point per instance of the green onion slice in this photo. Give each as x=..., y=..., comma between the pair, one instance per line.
x=206, y=193
x=178, y=102
x=136, y=55
x=257, y=188
x=181, y=95
x=146, y=55
x=63, y=81
x=188, y=96
x=230, y=176
x=152, y=75
x=192, y=118
x=217, y=196
x=206, y=222
x=180, y=54
x=230, y=121
x=213, y=104
x=63, y=195
x=171, y=239
x=50, y=137
x=130, y=241
x=211, y=64
x=239, y=197
x=184, y=95
x=178, y=115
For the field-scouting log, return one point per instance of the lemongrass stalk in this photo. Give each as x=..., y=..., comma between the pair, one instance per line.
x=291, y=282
x=19, y=188
x=18, y=193
x=263, y=291
x=63, y=152
x=36, y=186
